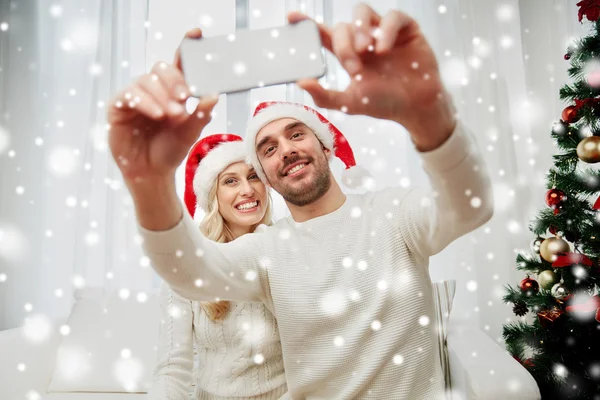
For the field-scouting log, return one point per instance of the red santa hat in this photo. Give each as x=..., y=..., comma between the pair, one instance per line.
x=326, y=132
x=206, y=160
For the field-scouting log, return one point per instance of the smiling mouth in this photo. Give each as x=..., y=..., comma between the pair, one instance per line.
x=248, y=207
x=295, y=169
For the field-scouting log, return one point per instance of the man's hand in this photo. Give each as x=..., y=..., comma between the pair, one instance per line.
x=150, y=130
x=394, y=72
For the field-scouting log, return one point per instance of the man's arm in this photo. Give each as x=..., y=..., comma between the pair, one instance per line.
x=195, y=267
x=156, y=203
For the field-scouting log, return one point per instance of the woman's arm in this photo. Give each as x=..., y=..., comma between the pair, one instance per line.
x=173, y=375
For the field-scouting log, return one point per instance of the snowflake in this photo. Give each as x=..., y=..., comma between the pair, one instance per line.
x=361, y=265
x=251, y=275
x=33, y=395
x=338, y=341
x=333, y=303
x=376, y=325
x=124, y=294
x=92, y=238
x=424, y=320
x=56, y=10
x=398, y=359
x=513, y=226
x=206, y=20
x=259, y=359
x=62, y=161
x=506, y=42
x=471, y=286
x=142, y=297
x=505, y=13
x=442, y=9
x=354, y=296
x=239, y=68
x=13, y=244
x=475, y=62
x=4, y=26
x=475, y=202
x=356, y=212
x=284, y=234
x=560, y=370
x=72, y=363
x=95, y=70
x=594, y=370
x=37, y=328
x=144, y=262
x=454, y=71
x=128, y=371
x=65, y=330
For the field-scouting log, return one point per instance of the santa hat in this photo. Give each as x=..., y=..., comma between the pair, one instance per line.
x=206, y=160
x=326, y=132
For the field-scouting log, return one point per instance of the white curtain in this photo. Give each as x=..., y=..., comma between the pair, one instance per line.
x=66, y=220
x=502, y=61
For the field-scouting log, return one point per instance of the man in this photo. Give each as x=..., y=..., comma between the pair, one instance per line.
x=346, y=276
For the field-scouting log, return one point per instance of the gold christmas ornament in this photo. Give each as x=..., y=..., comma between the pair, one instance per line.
x=547, y=279
x=588, y=149
x=552, y=247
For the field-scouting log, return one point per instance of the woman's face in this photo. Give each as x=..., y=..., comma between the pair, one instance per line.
x=242, y=197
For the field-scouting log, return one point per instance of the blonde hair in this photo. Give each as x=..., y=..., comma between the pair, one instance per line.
x=214, y=227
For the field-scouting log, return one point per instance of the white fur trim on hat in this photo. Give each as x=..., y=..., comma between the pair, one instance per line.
x=279, y=111
x=212, y=165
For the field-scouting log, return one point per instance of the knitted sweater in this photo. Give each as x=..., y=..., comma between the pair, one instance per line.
x=351, y=289
x=238, y=357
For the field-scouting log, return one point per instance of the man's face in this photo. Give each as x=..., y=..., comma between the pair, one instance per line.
x=294, y=161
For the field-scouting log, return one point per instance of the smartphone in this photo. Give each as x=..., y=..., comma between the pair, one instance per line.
x=252, y=58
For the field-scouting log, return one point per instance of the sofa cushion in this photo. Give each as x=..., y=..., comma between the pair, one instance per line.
x=111, y=346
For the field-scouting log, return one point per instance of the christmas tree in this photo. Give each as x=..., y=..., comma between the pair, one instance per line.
x=558, y=337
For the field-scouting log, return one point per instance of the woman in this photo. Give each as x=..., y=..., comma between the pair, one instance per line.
x=237, y=348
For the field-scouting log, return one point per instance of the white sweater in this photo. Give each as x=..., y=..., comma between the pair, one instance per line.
x=238, y=357
x=351, y=289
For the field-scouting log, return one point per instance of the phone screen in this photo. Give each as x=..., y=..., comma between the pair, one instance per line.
x=253, y=58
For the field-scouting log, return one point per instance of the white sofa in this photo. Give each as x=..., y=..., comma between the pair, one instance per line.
x=479, y=368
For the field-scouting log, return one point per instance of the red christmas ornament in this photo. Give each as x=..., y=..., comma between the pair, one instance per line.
x=567, y=56
x=569, y=114
x=555, y=199
x=590, y=9
x=529, y=284
x=553, y=229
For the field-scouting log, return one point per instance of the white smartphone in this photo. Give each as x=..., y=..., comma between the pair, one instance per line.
x=252, y=58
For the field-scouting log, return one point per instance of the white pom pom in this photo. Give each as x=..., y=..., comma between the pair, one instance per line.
x=199, y=215
x=355, y=177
